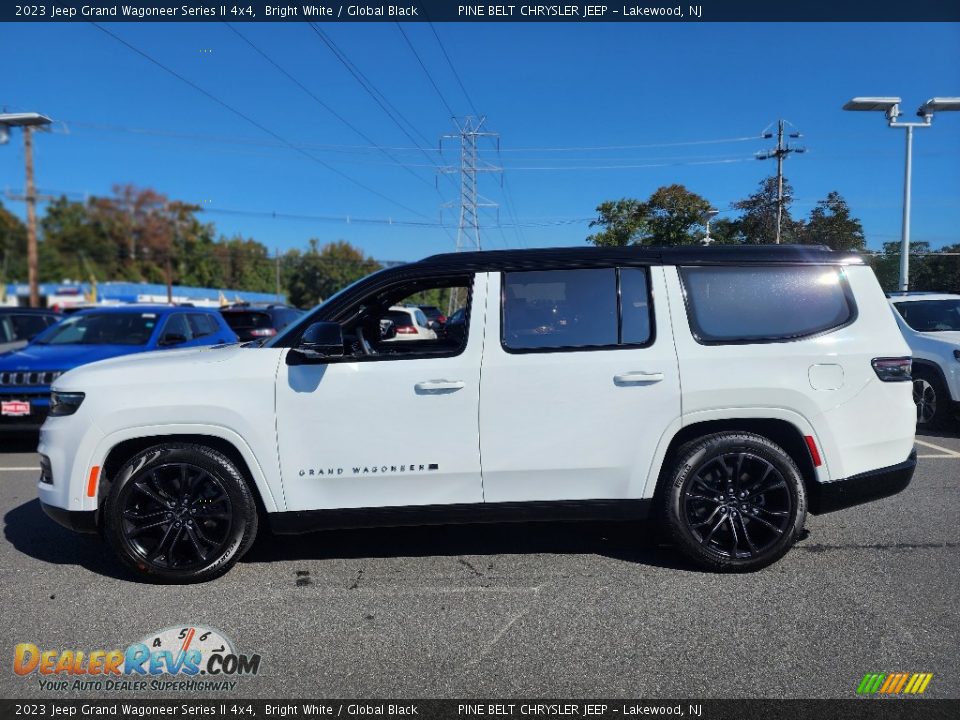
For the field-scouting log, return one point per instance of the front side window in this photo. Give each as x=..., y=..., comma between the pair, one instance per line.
x=575, y=309
x=765, y=303
x=931, y=315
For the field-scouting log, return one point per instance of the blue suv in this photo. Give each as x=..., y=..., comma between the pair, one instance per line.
x=91, y=335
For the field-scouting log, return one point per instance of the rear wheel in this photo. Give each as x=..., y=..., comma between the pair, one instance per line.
x=931, y=399
x=180, y=513
x=735, y=502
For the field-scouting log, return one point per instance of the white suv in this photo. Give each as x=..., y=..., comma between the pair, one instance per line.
x=724, y=391
x=930, y=322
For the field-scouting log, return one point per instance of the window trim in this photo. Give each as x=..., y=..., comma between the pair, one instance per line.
x=620, y=345
x=471, y=277
x=698, y=335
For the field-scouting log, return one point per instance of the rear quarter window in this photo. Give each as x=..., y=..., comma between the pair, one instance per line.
x=765, y=303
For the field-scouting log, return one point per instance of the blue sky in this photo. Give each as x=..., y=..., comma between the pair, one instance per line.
x=694, y=96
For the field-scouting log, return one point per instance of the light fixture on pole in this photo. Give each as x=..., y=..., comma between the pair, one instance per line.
x=29, y=122
x=890, y=106
x=708, y=215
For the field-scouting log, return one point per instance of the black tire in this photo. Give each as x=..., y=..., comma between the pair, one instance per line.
x=931, y=398
x=179, y=513
x=729, y=520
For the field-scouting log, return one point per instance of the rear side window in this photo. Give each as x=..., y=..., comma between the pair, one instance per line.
x=244, y=320
x=764, y=303
x=202, y=325
x=26, y=327
x=575, y=309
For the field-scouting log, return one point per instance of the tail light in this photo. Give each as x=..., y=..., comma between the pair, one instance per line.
x=406, y=330
x=263, y=332
x=892, y=369
x=442, y=319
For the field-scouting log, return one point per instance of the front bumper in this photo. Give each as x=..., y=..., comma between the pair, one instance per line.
x=77, y=520
x=862, y=488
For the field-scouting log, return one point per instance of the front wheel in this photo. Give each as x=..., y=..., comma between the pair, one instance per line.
x=735, y=502
x=180, y=513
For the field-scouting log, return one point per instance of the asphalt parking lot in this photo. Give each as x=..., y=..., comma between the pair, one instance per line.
x=586, y=610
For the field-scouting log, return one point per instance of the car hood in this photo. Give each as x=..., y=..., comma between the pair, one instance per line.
x=166, y=365
x=36, y=356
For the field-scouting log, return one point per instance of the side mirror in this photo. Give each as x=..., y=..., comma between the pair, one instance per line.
x=172, y=339
x=388, y=329
x=322, y=340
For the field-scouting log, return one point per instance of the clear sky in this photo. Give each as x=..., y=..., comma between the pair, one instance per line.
x=666, y=103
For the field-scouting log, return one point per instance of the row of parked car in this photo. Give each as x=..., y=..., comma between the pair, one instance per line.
x=39, y=345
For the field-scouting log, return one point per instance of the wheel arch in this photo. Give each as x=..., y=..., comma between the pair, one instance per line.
x=124, y=449
x=782, y=432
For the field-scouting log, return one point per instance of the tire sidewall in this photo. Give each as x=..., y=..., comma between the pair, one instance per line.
x=691, y=458
x=243, y=521
x=940, y=397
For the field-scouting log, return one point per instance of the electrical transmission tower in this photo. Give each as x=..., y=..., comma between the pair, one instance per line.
x=780, y=152
x=471, y=166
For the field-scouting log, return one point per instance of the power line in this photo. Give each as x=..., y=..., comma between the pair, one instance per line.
x=454, y=70
x=425, y=70
x=320, y=102
x=256, y=124
x=780, y=152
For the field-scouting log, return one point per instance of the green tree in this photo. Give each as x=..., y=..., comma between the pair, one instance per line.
x=758, y=222
x=320, y=272
x=831, y=224
x=672, y=215
x=13, y=247
x=78, y=240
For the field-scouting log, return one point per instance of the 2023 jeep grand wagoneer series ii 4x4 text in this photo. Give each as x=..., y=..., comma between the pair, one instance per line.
x=723, y=391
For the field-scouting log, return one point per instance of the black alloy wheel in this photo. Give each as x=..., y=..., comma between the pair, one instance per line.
x=736, y=501
x=180, y=513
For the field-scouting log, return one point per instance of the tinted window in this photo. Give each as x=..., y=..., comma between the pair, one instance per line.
x=26, y=327
x=634, y=306
x=102, y=329
x=931, y=315
x=202, y=325
x=421, y=318
x=399, y=318
x=764, y=303
x=244, y=320
x=560, y=309
x=176, y=325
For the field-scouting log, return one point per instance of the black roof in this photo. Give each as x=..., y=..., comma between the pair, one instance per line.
x=643, y=255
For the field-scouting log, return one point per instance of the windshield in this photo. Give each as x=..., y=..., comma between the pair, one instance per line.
x=239, y=320
x=931, y=315
x=102, y=329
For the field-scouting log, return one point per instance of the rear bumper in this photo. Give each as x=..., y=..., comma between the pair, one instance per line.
x=77, y=520
x=862, y=488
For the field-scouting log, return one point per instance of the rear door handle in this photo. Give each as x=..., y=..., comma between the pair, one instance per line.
x=637, y=378
x=439, y=386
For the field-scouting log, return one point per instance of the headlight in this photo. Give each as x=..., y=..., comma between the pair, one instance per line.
x=65, y=403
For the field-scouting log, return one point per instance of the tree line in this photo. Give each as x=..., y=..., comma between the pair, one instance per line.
x=673, y=215
x=140, y=235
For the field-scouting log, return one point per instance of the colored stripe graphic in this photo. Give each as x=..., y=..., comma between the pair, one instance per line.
x=894, y=683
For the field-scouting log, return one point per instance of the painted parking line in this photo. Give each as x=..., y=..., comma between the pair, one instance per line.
x=944, y=452
x=17, y=469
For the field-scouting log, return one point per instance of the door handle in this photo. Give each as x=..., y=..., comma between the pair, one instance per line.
x=637, y=378
x=433, y=386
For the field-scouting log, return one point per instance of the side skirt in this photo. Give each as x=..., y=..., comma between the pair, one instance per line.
x=303, y=521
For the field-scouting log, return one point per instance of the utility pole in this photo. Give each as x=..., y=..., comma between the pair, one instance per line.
x=780, y=152
x=468, y=231
x=277, y=253
x=28, y=121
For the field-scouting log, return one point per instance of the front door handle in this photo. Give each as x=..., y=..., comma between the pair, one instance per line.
x=439, y=386
x=637, y=378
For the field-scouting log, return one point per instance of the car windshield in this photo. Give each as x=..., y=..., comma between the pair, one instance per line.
x=931, y=315
x=102, y=329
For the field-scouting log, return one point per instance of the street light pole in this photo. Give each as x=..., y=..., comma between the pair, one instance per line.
x=31, y=199
x=890, y=106
x=28, y=121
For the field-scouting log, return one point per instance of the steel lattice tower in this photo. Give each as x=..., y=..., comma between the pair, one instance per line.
x=468, y=132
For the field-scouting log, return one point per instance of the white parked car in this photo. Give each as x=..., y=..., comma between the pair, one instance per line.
x=724, y=391
x=409, y=323
x=930, y=322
